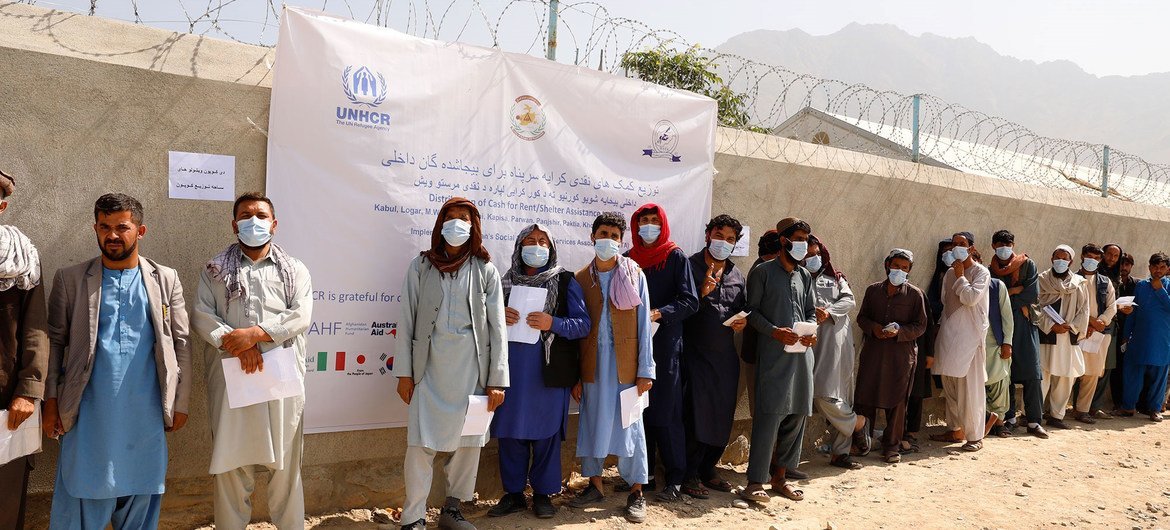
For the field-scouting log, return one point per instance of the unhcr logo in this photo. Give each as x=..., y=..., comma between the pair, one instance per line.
x=365, y=89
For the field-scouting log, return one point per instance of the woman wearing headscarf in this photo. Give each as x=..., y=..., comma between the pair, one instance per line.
x=530, y=425
x=673, y=298
x=450, y=345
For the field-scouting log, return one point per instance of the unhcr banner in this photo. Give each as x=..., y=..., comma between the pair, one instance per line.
x=372, y=130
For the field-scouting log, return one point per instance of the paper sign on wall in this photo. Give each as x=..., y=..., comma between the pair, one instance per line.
x=202, y=176
x=743, y=244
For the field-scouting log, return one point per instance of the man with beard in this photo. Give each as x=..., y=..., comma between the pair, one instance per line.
x=1148, y=352
x=253, y=298
x=1064, y=293
x=119, y=377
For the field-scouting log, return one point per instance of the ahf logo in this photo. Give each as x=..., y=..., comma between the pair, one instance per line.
x=364, y=87
x=664, y=142
x=528, y=118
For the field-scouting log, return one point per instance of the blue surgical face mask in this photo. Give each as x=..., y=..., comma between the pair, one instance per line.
x=1004, y=253
x=254, y=232
x=649, y=233
x=813, y=264
x=606, y=249
x=534, y=256
x=456, y=232
x=897, y=277
x=720, y=249
x=960, y=253
x=948, y=258
x=799, y=250
x=1090, y=264
x=1060, y=265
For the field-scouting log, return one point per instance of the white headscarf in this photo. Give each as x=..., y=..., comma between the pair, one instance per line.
x=20, y=264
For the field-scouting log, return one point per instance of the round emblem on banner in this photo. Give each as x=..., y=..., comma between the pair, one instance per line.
x=665, y=137
x=528, y=119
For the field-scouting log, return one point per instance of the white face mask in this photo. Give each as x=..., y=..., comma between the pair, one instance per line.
x=799, y=250
x=813, y=264
x=254, y=232
x=456, y=232
x=720, y=249
x=606, y=249
x=960, y=253
x=897, y=277
x=1004, y=253
x=948, y=258
x=1060, y=265
x=534, y=256
x=649, y=233
x=1090, y=264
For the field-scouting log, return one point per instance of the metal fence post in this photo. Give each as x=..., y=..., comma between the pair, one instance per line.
x=1105, y=171
x=914, y=130
x=552, y=30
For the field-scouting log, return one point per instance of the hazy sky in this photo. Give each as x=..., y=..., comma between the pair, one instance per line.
x=1104, y=37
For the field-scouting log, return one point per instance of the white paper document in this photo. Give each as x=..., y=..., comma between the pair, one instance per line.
x=1092, y=344
x=743, y=244
x=202, y=176
x=633, y=405
x=525, y=300
x=1052, y=314
x=654, y=328
x=737, y=316
x=25, y=440
x=478, y=418
x=803, y=329
x=1126, y=301
x=278, y=380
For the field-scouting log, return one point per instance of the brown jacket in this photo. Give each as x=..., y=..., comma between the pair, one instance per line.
x=73, y=329
x=625, y=333
x=24, y=344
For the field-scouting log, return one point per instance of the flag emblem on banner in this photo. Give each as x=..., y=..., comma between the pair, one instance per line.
x=339, y=361
x=389, y=360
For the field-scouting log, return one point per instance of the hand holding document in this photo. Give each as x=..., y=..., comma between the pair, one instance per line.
x=1052, y=314
x=1126, y=301
x=24, y=441
x=633, y=405
x=804, y=329
x=654, y=328
x=737, y=316
x=478, y=419
x=278, y=380
x=1092, y=343
x=525, y=300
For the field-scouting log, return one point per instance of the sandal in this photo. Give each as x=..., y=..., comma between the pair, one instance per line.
x=787, y=492
x=693, y=488
x=1157, y=416
x=971, y=447
x=908, y=445
x=754, y=493
x=947, y=437
x=844, y=462
x=892, y=458
x=719, y=484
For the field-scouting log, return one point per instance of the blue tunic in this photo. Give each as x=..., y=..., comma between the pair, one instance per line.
x=600, y=431
x=118, y=447
x=1148, y=327
x=532, y=411
x=673, y=294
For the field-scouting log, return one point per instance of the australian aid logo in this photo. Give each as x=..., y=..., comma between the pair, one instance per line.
x=350, y=363
x=365, y=90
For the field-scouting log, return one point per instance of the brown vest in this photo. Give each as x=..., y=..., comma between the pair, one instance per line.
x=625, y=333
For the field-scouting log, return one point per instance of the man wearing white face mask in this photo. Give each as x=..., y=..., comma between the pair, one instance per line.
x=1067, y=294
x=961, y=347
x=1102, y=308
x=531, y=423
x=254, y=297
x=451, y=344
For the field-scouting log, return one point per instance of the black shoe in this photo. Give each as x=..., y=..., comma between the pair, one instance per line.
x=451, y=518
x=636, y=507
x=420, y=524
x=625, y=487
x=508, y=504
x=1038, y=432
x=669, y=494
x=590, y=495
x=1057, y=424
x=795, y=474
x=543, y=507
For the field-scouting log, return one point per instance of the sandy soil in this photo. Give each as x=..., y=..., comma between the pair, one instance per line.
x=1115, y=474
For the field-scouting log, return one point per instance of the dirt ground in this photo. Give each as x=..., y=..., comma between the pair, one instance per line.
x=1115, y=474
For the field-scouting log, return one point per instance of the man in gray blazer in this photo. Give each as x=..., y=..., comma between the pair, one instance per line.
x=119, y=377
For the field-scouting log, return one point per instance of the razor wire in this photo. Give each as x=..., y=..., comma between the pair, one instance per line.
x=777, y=101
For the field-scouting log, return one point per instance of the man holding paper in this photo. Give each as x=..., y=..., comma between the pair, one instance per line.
x=1064, y=316
x=119, y=377
x=1148, y=352
x=1096, y=339
x=783, y=310
x=451, y=345
x=616, y=357
x=530, y=425
x=710, y=363
x=254, y=298
x=24, y=355
x=961, y=347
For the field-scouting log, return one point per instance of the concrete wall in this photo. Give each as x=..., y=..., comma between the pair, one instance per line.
x=91, y=106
